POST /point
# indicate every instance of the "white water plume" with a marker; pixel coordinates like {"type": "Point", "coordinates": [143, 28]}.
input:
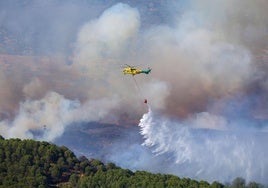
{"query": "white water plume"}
{"type": "Point", "coordinates": [205, 153]}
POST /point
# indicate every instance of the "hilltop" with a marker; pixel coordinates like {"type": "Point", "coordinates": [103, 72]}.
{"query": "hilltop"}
{"type": "Point", "coordinates": [29, 163]}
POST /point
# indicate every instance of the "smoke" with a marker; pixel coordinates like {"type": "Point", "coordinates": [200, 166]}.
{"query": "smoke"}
{"type": "Point", "coordinates": [52, 114]}
{"type": "Point", "coordinates": [47, 94]}
{"type": "Point", "coordinates": [107, 36]}
{"type": "Point", "coordinates": [210, 124]}
{"type": "Point", "coordinates": [204, 153]}
{"type": "Point", "coordinates": [207, 89]}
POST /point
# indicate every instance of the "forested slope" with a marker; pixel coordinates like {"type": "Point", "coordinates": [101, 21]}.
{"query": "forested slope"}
{"type": "Point", "coordinates": [29, 163]}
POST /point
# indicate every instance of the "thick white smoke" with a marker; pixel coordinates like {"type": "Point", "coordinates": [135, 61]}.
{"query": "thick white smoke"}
{"type": "Point", "coordinates": [60, 95]}
{"type": "Point", "coordinates": [52, 114]}
{"type": "Point", "coordinates": [201, 53]}
{"type": "Point", "coordinates": [107, 36]}
{"type": "Point", "coordinates": [202, 153]}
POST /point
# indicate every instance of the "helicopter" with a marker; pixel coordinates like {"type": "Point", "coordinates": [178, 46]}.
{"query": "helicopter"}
{"type": "Point", "coordinates": [133, 71]}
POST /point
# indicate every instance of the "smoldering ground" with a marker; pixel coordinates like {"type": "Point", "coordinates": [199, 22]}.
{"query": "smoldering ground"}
{"type": "Point", "coordinates": [209, 72]}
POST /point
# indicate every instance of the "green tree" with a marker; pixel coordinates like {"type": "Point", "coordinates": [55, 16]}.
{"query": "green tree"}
{"type": "Point", "coordinates": [203, 184]}
{"type": "Point", "coordinates": [55, 173]}
{"type": "Point", "coordinates": [216, 184]}
{"type": "Point", "coordinates": [254, 185]}
{"type": "Point", "coordinates": [111, 166]}
{"type": "Point", "coordinates": [28, 163]}
{"type": "Point", "coordinates": [74, 180]}
{"type": "Point", "coordinates": [238, 183]}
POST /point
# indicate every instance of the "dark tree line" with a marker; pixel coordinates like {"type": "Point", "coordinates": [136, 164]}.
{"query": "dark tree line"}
{"type": "Point", "coordinates": [29, 163]}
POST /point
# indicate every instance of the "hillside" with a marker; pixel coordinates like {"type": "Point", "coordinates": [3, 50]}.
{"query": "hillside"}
{"type": "Point", "coordinates": [98, 140]}
{"type": "Point", "coordinates": [29, 163]}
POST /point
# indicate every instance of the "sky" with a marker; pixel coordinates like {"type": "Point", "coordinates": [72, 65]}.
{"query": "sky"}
{"type": "Point", "coordinates": [61, 63]}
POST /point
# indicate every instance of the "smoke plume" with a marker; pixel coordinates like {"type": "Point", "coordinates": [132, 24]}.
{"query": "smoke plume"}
{"type": "Point", "coordinates": [207, 89]}
{"type": "Point", "coordinates": [204, 153]}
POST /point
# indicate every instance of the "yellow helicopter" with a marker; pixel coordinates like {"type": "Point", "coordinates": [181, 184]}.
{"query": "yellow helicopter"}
{"type": "Point", "coordinates": [133, 71]}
